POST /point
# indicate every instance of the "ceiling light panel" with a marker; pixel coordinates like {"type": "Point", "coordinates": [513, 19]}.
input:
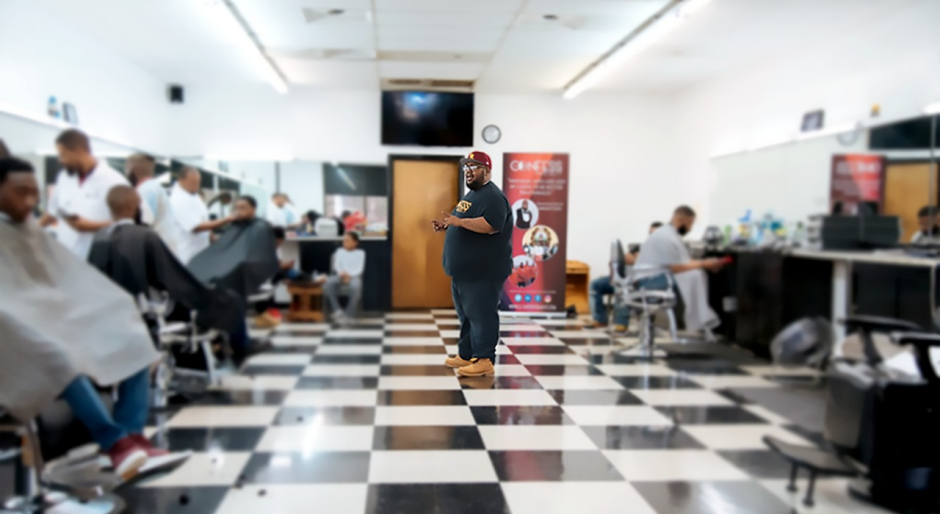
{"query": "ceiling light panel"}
{"type": "Point", "coordinates": [471, 7]}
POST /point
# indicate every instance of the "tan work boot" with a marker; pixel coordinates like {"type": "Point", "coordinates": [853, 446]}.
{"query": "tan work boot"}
{"type": "Point", "coordinates": [265, 320]}
{"type": "Point", "coordinates": [456, 362]}
{"type": "Point", "coordinates": [477, 368]}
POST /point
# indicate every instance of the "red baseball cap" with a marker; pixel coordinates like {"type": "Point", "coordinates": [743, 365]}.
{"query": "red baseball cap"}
{"type": "Point", "coordinates": [479, 158]}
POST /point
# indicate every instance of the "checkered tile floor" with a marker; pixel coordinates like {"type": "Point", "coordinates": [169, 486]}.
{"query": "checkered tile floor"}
{"type": "Point", "coordinates": [366, 419]}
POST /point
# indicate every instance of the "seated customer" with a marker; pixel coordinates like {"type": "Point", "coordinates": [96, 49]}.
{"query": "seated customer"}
{"type": "Point", "coordinates": [601, 287]}
{"type": "Point", "coordinates": [63, 324]}
{"type": "Point", "coordinates": [268, 315]}
{"type": "Point", "coordinates": [349, 262]}
{"type": "Point", "coordinates": [665, 249]}
{"type": "Point", "coordinates": [928, 226]}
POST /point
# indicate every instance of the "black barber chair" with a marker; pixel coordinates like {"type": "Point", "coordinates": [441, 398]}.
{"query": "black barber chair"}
{"type": "Point", "coordinates": [883, 425]}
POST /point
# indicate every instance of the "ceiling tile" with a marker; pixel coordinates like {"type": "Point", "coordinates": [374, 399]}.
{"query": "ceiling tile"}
{"type": "Point", "coordinates": [412, 70]}
{"type": "Point", "coordinates": [474, 7]}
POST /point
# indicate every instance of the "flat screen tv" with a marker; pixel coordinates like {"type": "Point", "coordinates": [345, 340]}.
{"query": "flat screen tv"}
{"type": "Point", "coordinates": [427, 118]}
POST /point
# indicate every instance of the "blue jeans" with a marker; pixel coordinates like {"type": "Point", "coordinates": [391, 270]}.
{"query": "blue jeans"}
{"type": "Point", "coordinates": [601, 286]}
{"type": "Point", "coordinates": [477, 305]}
{"type": "Point", "coordinates": [130, 411]}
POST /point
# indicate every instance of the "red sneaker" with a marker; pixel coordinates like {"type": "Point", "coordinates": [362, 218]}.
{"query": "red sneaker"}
{"type": "Point", "coordinates": [274, 312]}
{"type": "Point", "coordinates": [148, 447]}
{"type": "Point", "coordinates": [127, 457]}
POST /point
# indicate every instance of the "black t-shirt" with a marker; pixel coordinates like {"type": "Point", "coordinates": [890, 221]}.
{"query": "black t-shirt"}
{"type": "Point", "coordinates": [469, 255]}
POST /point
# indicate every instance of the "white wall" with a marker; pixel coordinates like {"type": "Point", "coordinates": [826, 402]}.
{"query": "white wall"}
{"type": "Point", "coordinates": [303, 183]}
{"type": "Point", "coordinates": [40, 56]}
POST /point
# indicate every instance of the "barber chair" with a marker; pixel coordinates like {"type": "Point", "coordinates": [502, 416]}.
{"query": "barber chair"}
{"type": "Point", "coordinates": [883, 424]}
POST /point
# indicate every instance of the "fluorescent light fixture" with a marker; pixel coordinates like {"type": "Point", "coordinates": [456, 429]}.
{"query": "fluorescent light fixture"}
{"type": "Point", "coordinates": [652, 30]}
{"type": "Point", "coordinates": [933, 108]}
{"type": "Point", "coordinates": [227, 18]}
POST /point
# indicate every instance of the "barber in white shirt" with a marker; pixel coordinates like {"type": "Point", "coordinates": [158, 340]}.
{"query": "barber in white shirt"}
{"type": "Point", "coordinates": [81, 189]}
{"type": "Point", "coordinates": [193, 226]}
{"type": "Point", "coordinates": [280, 213]}
{"type": "Point", "coordinates": [154, 200]}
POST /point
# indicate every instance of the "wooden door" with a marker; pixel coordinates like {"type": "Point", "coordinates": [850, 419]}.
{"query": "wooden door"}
{"type": "Point", "coordinates": [420, 191]}
{"type": "Point", "coordinates": [908, 187]}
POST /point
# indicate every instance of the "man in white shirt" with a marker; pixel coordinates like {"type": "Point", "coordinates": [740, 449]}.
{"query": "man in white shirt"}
{"type": "Point", "coordinates": [349, 262]}
{"type": "Point", "coordinates": [155, 202]}
{"type": "Point", "coordinates": [81, 189]}
{"type": "Point", "coordinates": [280, 213]}
{"type": "Point", "coordinates": [193, 226]}
{"type": "Point", "coordinates": [664, 249]}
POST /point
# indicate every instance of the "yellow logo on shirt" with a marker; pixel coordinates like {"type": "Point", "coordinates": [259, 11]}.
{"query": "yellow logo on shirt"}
{"type": "Point", "coordinates": [463, 206]}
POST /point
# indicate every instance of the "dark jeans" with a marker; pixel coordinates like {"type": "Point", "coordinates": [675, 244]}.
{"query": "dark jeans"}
{"type": "Point", "coordinates": [477, 304]}
{"type": "Point", "coordinates": [130, 411]}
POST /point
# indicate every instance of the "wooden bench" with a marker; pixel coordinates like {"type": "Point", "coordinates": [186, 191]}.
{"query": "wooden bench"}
{"type": "Point", "coordinates": [306, 302]}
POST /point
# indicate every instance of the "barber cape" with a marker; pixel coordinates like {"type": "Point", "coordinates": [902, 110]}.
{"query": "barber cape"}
{"type": "Point", "coordinates": [241, 260]}
{"type": "Point", "coordinates": [60, 318]}
{"type": "Point", "coordinates": [136, 259]}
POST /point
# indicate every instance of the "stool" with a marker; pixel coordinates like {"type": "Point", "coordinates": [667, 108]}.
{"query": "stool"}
{"type": "Point", "coordinates": [306, 302]}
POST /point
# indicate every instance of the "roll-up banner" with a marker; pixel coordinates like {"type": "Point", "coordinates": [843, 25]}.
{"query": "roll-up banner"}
{"type": "Point", "coordinates": [536, 185]}
{"type": "Point", "coordinates": [856, 178]}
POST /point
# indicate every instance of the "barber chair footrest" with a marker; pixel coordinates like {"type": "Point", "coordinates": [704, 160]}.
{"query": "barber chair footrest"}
{"type": "Point", "coordinates": [814, 460]}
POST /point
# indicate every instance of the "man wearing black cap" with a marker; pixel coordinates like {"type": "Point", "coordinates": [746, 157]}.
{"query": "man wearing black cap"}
{"type": "Point", "coordinates": [478, 258]}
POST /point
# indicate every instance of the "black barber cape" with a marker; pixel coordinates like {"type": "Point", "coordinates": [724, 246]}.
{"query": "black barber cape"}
{"type": "Point", "coordinates": [135, 258]}
{"type": "Point", "coordinates": [242, 259]}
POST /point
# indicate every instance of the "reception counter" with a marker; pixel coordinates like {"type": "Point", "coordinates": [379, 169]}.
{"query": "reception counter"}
{"type": "Point", "coordinates": [313, 254]}
{"type": "Point", "coordinates": [764, 290]}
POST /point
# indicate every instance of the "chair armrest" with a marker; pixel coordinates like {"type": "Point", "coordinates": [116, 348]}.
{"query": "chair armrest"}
{"type": "Point", "coordinates": [922, 343]}
{"type": "Point", "coordinates": [878, 324]}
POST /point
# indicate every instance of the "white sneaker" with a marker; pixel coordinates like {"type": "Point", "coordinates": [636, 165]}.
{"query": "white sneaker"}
{"type": "Point", "coordinates": [339, 316]}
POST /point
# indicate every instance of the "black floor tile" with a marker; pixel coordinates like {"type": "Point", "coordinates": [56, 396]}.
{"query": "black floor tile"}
{"type": "Point", "coordinates": [435, 349]}
{"type": "Point", "coordinates": [657, 382]}
{"type": "Point", "coordinates": [300, 333]}
{"type": "Point", "coordinates": [427, 438]}
{"type": "Point", "coordinates": [338, 341]}
{"type": "Point", "coordinates": [417, 371]}
{"type": "Point", "coordinates": [346, 359]}
{"type": "Point", "coordinates": [705, 414]}
{"type": "Point", "coordinates": [499, 383]}
{"type": "Point", "coordinates": [240, 397]}
{"type": "Point", "coordinates": [604, 397]}
{"type": "Point", "coordinates": [259, 369]}
{"type": "Point", "coordinates": [635, 437]}
{"type": "Point", "coordinates": [325, 416]}
{"type": "Point", "coordinates": [758, 463]}
{"type": "Point", "coordinates": [436, 498]}
{"type": "Point", "coordinates": [389, 321]}
{"type": "Point", "coordinates": [544, 466]}
{"type": "Point", "coordinates": [241, 439]}
{"type": "Point", "coordinates": [540, 349]}
{"type": "Point", "coordinates": [558, 370]}
{"type": "Point", "coordinates": [338, 383]}
{"type": "Point", "coordinates": [507, 359]}
{"type": "Point", "coordinates": [421, 398]}
{"type": "Point", "coordinates": [521, 415]}
{"type": "Point", "coordinates": [302, 468]}
{"type": "Point", "coordinates": [523, 333]}
{"type": "Point", "coordinates": [704, 366]}
{"type": "Point", "coordinates": [734, 396]}
{"type": "Point", "coordinates": [816, 438]}
{"type": "Point", "coordinates": [710, 498]}
{"type": "Point", "coordinates": [435, 332]}
{"type": "Point", "coordinates": [589, 341]}
{"type": "Point", "coordinates": [172, 500]}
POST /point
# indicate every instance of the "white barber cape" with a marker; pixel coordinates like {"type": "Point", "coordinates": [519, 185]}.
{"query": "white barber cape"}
{"type": "Point", "coordinates": [60, 318]}
{"type": "Point", "coordinates": [156, 212]}
{"type": "Point", "coordinates": [86, 198]}
{"type": "Point", "coordinates": [664, 247]}
{"type": "Point", "coordinates": [189, 211]}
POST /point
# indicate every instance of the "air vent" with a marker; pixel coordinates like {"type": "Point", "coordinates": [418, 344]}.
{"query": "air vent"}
{"type": "Point", "coordinates": [317, 15]}
{"type": "Point", "coordinates": [461, 86]}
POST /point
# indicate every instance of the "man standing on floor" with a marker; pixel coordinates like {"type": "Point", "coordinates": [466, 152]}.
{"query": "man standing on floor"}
{"type": "Point", "coordinates": [192, 216]}
{"type": "Point", "coordinates": [478, 258]}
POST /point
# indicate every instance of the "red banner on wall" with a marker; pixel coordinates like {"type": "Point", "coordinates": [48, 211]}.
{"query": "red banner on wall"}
{"type": "Point", "coordinates": [536, 185]}
{"type": "Point", "coordinates": [855, 179]}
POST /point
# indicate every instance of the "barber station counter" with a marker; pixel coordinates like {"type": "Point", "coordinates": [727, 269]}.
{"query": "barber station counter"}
{"type": "Point", "coordinates": [765, 290]}
{"type": "Point", "coordinates": [314, 254]}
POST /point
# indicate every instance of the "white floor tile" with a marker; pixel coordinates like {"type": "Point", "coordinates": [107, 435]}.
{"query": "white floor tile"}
{"type": "Point", "coordinates": [402, 467]}
{"type": "Point", "coordinates": [598, 349]}
{"type": "Point", "coordinates": [451, 349]}
{"type": "Point", "coordinates": [413, 359]}
{"type": "Point", "coordinates": [410, 316]}
{"type": "Point", "coordinates": [500, 397]}
{"type": "Point", "coordinates": [355, 334]}
{"type": "Point", "coordinates": [450, 333]}
{"type": "Point", "coordinates": [728, 381]}
{"type": "Point", "coordinates": [427, 415]}
{"type": "Point", "coordinates": [568, 497]}
{"type": "Point", "coordinates": [578, 382]}
{"type": "Point", "coordinates": [326, 398]}
{"type": "Point", "coordinates": [259, 333]}
{"type": "Point", "coordinates": [302, 327]}
{"type": "Point", "coordinates": [511, 370]}
{"type": "Point", "coordinates": [228, 416]}
{"type": "Point", "coordinates": [280, 341]}
{"type": "Point", "coordinates": [279, 359]}
{"type": "Point", "coordinates": [413, 341]}
{"type": "Point", "coordinates": [256, 383]}
{"type": "Point", "coordinates": [316, 437]}
{"type": "Point", "coordinates": [682, 397]}
{"type": "Point", "coordinates": [533, 341]}
{"type": "Point", "coordinates": [535, 437]}
{"type": "Point", "coordinates": [296, 499]}
{"type": "Point", "coordinates": [399, 327]}
{"type": "Point", "coordinates": [635, 370]}
{"type": "Point", "coordinates": [765, 371]}
{"type": "Point", "coordinates": [831, 497]}
{"type": "Point", "coordinates": [741, 437]}
{"type": "Point", "coordinates": [550, 359]}
{"type": "Point", "coordinates": [767, 414]}
{"type": "Point", "coordinates": [502, 349]}
{"type": "Point", "coordinates": [580, 334]}
{"type": "Point", "coordinates": [447, 322]}
{"type": "Point", "coordinates": [418, 383]}
{"type": "Point", "coordinates": [531, 327]}
{"type": "Point", "coordinates": [673, 465]}
{"type": "Point", "coordinates": [350, 349]}
{"type": "Point", "coordinates": [559, 322]}
{"type": "Point", "coordinates": [203, 469]}
{"type": "Point", "coordinates": [343, 370]}
{"type": "Point", "coordinates": [615, 415]}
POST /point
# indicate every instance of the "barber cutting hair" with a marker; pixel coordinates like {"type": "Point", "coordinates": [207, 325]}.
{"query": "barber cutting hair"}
{"type": "Point", "coordinates": [192, 216]}
{"type": "Point", "coordinates": [478, 257]}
